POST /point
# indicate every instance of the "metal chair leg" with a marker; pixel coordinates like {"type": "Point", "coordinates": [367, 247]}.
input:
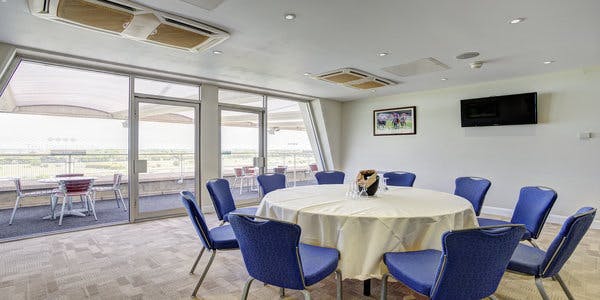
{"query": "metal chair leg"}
{"type": "Point", "coordinates": [53, 200]}
{"type": "Point", "coordinates": [564, 287]}
{"type": "Point", "coordinates": [540, 286]}
{"type": "Point", "coordinates": [197, 260]}
{"type": "Point", "coordinates": [338, 284]}
{"type": "Point", "coordinates": [212, 257]}
{"type": "Point", "coordinates": [12, 216]}
{"type": "Point", "coordinates": [533, 243]}
{"type": "Point", "coordinates": [247, 288]}
{"type": "Point", "coordinates": [116, 198]}
{"type": "Point", "coordinates": [122, 201]}
{"type": "Point", "coordinates": [62, 211]}
{"type": "Point", "coordinates": [92, 205]}
{"type": "Point", "coordinates": [281, 292]}
{"type": "Point", "coordinates": [492, 297]}
{"type": "Point", "coordinates": [384, 286]}
{"type": "Point", "coordinates": [306, 294]}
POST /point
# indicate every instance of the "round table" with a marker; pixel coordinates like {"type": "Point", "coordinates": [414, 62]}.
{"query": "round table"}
{"type": "Point", "coordinates": [363, 229]}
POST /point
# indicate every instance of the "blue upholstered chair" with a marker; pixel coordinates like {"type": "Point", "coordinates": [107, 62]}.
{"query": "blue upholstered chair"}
{"type": "Point", "coordinates": [330, 177]}
{"type": "Point", "coordinates": [270, 182]}
{"type": "Point", "coordinates": [532, 210]}
{"type": "Point", "coordinates": [472, 189]}
{"type": "Point", "coordinates": [546, 264]}
{"type": "Point", "coordinates": [399, 178]}
{"type": "Point", "coordinates": [470, 265]}
{"type": "Point", "coordinates": [218, 238]}
{"type": "Point", "coordinates": [222, 199]}
{"type": "Point", "coordinates": [273, 254]}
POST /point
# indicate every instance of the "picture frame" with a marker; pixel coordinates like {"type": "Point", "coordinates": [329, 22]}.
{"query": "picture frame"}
{"type": "Point", "coordinates": [395, 121]}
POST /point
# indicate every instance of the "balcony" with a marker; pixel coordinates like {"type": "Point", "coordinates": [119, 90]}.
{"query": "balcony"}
{"type": "Point", "coordinates": [158, 190]}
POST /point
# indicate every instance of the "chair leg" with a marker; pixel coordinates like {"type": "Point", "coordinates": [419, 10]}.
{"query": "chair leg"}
{"type": "Point", "coordinates": [12, 216]}
{"type": "Point", "coordinates": [384, 286]}
{"type": "Point", "coordinates": [564, 287]}
{"type": "Point", "coordinates": [281, 292]}
{"type": "Point", "coordinates": [122, 200]}
{"type": "Point", "coordinates": [53, 200]}
{"type": "Point", "coordinates": [62, 210]}
{"type": "Point", "coordinates": [492, 297]}
{"type": "Point", "coordinates": [306, 294]}
{"type": "Point", "coordinates": [247, 288]}
{"type": "Point", "coordinates": [92, 206]}
{"type": "Point", "coordinates": [533, 243]}
{"type": "Point", "coordinates": [212, 257]}
{"type": "Point", "coordinates": [540, 286]}
{"type": "Point", "coordinates": [197, 260]}
{"type": "Point", "coordinates": [338, 284]}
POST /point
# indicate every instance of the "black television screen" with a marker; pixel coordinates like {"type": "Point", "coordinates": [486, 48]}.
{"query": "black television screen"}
{"type": "Point", "coordinates": [499, 110]}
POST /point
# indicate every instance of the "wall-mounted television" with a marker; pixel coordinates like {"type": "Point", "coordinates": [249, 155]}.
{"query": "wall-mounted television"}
{"type": "Point", "coordinates": [499, 110]}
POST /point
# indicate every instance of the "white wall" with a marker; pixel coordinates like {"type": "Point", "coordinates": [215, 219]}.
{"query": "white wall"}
{"type": "Point", "coordinates": [549, 153]}
{"type": "Point", "coordinates": [328, 122]}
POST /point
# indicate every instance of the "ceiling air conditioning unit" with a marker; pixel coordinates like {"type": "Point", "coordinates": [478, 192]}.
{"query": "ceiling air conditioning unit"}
{"type": "Point", "coordinates": [131, 20]}
{"type": "Point", "coordinates": [355, 79]}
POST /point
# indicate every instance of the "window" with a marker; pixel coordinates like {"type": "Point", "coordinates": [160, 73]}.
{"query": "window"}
{"type": "Point", "coordinates": [291, 145]}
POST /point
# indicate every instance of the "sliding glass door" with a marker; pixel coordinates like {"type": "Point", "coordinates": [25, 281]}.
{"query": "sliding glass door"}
{"type": "Point", "coordinates": [165, 158]}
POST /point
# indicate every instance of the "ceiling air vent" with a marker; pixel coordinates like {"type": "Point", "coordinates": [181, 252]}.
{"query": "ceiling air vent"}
{"type": "Point", "coordinates": [131, 20]}
{"type": "Point", "coordinates": [355, 79]}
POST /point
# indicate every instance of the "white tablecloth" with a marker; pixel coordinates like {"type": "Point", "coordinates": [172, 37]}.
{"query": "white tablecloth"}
{"type": "Point", "coordinates": [401, 219]}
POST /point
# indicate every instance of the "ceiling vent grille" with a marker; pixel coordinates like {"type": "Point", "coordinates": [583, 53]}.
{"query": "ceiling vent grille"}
{"type": "Point", "coordinates": [355, 79]}
{"type": "Point", "coordinates": [131, 20]}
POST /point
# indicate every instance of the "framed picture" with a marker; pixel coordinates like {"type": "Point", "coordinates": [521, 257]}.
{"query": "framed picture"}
{"type": "Point", "coordinates": [395, 121]}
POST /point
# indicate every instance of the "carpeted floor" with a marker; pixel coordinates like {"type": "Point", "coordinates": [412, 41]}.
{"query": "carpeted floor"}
{"type": "Point", "coordinates": [151, 260]}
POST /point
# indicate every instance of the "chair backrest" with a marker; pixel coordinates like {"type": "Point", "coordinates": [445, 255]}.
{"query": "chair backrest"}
{"type": "Point", "coordinates": [238, 172]}
{"type": "Point", "coordinates": [474, 260]}
{"type": "Point", "coordinates": [249, 170]}
{"type": "Point", "coordinates": [117, 180]}
{"type": "Point", "coordinates": [330, 177]}
{"type": "Point", "coordinates": [220, 193]}
{"type": "Point", "coordinates": [81, 186]}
{"type": "Point", "coordinates": [399, 178]}
{"type": "Point", "coordinates": [313, 167]}
{"type": "Point", "coordinates": [533, 207]}
{"type": "Point", "coordinates": [280, 169]}
{"type": "Point", "coordinates": [195, 214]}
{"type": "Point", "coordinates": [69, 175]}
{"type": "Point", "coordinates": [563, 245]}
{"type": "Point", "coordinates": [18, 187]}
{"type": "Point", "coordinates": [270, 250]}
{"type": "Point", "coordinates": [473, 189]}
{"type": "Point", "coordinates": [271, 182]}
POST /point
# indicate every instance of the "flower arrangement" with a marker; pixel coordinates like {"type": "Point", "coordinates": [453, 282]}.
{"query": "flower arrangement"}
{"type": "Point", "coordinates": [368, 180]}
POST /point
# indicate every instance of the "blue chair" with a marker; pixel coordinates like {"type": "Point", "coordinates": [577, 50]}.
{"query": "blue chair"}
{"type": "Point", "coordinates": [218, 238]}
{"type": "Point", "coordinates": [473, 189]}
{"type": "Point", "coordinates": [399, 178]}
{"type": "Point", "coordinates": [270, 182]}
{"type": "Point", "coordinates": [535, 262]}
{"type": "Point", "coordinates": [330, 177]}
{"type": "Point", "coordinates": [273, 254]}
{"type": "Point", "coordinates": [470, 265]}
{"type": "Point", "coordinates": [532, 210]}
{"type": "Point", "coordinates": [222, 199]}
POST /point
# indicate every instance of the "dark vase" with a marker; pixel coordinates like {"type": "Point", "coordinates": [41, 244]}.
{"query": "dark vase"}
{"type": "Point", "coordinates": [373, 188]}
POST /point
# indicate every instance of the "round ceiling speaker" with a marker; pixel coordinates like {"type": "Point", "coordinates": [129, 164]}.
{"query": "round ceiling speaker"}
{"type": "Point", "coordinates": [467, 55]}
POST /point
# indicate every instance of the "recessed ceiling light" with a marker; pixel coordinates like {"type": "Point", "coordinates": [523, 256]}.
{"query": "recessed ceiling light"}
{"type": "Point", "coordinates": [467, 55]}
{"type": "Point", "coordinates": [516, 21]}
{"type": "Point", "coordinates": [444, 79]}
{"type": "Point", "coordinates": [548, 62]}
{"type": "Point", "coordinates": [307, 74]}
{"type": "Point", "coordinates": [372, 91]}
{"type": "Point", "coordinates": [217, 52]}
{"type": "Point", "coordinates": [382, 54]}
{"type": "Point", "coordinates": [289, 16]}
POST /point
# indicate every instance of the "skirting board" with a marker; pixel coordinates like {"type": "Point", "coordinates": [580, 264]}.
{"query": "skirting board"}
{"type": "Point", "coordinates": [505, 212]}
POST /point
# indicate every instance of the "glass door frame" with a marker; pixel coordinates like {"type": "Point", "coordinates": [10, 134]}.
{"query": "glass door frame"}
{"type": "Point", "coordinates": [135, 213]}
{"type": "Point", "coordinates": [262, 137]}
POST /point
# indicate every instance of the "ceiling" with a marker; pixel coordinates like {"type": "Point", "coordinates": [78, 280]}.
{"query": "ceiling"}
{"type": "Point", "coordinates": [266, 51]}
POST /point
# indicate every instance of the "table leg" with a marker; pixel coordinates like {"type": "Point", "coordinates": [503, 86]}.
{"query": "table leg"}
{"type": "Point", "coordinates": [367, 287]}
